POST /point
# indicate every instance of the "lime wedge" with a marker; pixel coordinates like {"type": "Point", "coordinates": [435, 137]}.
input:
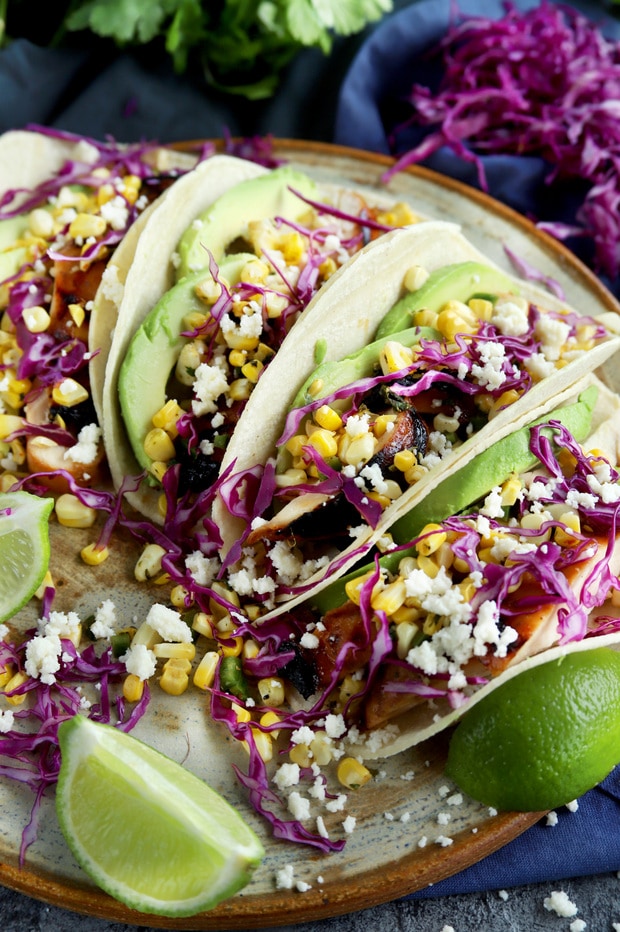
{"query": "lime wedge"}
{"type": "Point", "coordinates": [24, 548]}
{"type": "Point", "coordinates": [544, 737]}
{"type": "Point", "coordinates": [147, 831]}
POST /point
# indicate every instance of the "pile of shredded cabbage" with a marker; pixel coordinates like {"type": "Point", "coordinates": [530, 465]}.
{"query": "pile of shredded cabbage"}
{"type": "Point", "coordinates": [543, 83]}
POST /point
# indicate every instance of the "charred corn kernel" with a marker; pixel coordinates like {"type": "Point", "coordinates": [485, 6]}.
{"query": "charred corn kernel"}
{"type": "Point", "coordinates": [271, 690]}
{"type": "Point", "coordinates": [36, 318]}
{"type": "Point", "coordinates": [394, 357]}
{"type": "Point", "coordinates": [446, 423]}
{"type": "Point", "coordinates": [250, 648]}
{"type": "Point", "coordinates": [238, 358]}
{"type": "Point", "coordinates": [404, 460]}
{"type": "Point", "coordinates": [41, 222]}
{"type": "Point", "coordinates": [291, 477]}
{"type": "Point", "coordinates": [72, 513]}
{"type": "Point", "coordinates": [158, 470]}
{"type": "Point", "coordinates": [226, 593]}
{"type": "Point", "coordinates": [433, 623]}
{"type": "Point", "coordinates": [263, 352]}
{"type": "Point", "coordinates": [240, 389]}
{"type": "Point", "coordinates": [203, 624]}
{"type": "Point", "coordinates": [382, 424]}
{"type": "Point", "coordinates": [173, 650]}
{"type": "Point", "coordinates": [352, 774]}
{"type": "Point", "coordinates": [328, 418]}
{"type": "Point", "coordinates": [180, 597]}
{"type": "Point", "coordinates": [148, 563]}
{"type": "Point", "coordinates": [324, 442]}
{"type": "Point", "coordinates": [482, 308]}
{"type": "Point", "coordinates": [225, 626]}
{"type": "Point", "coordinates": [321, 749]}
{"type": "Point", "coordinates": [433, 536]}
{"type": "Point", "coordinates": [204, 674]}
{"type": "Point", "coordinates": [93, 555]}
{"type": "Point", "coordinates": [9, 424]}
{"type": "Point", "coordinates": [233, 648]}
{"type": "Point", "coordinates": [133, 688]}
{"type": "Point", "coordinates": [349, 687]}
{"type": "Point", "coordinates": [252, 370]}
{"type": "Point", "coordinates": [77, 313]}
{"type": "Point", "coordinates": [505, 399]}
{"type": "Point", "coordinates": [300, 754]}
{"type": "Point", "coordinates": [415, 277]}
{"type": "Point", "coordinates": [390, 598]}
{"type": "Point", "coordinates": [360, 450]}
{"type": "Point", "coordinates": [189, 359]}
{"type": "Point", "coordinates": [174, 678]}
{"type": "Point", "coordinates": [69, 393]}
{"type": "Point", "coordinates": [415, 473]}
{"type": "Point", "coordinates": [83, 226]}
{"type": "Point", "coordinates": [378, 497]}
{"type": "Point", "coordinates": [405, 634]}
{"type": "Point", "coordinates": [46, 583]}
{"type": "Point", "coordinates": [158, 445]}
{"type": "Point", "coordinates": [268, 720]}
{"type": "Point", "coordinates": [17, 680]}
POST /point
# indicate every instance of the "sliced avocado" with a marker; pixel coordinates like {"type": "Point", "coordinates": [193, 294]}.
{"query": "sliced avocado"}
{"type": "Point", "coordinates": [337, 373]}
{"type": "Point", "coordinates": [468, 485]}
{"type": "Point", "coordinates": [154, 351]}
{"type": "Point", "coordinates": [220, 228]}
{"type": "Point", "coordinates": [460, 281]}
{"type": "Point", "coordinates": [12, 257]}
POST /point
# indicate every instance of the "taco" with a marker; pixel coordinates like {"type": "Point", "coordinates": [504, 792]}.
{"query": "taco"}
{"type": "Point", "coordinates": [67, 205]}
{"type": "Point", "coordinates": [530, 570]}
{"type": "Point", "coordinates": [223, 270]}
{"type": "Point", "coordinates": [413, 384]}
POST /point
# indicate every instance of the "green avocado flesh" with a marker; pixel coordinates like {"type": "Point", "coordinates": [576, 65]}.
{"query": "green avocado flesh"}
{"type": "Point", "coordinates": [458, 282]}
{"type": "Point", "coordinates": [468, 485]}
{"type": "Point", "coordinates": [154, 350]}
{"type": "Point", "coordinates": [12, 257]}
{"type": "Point", "coordinates": [220, 228]}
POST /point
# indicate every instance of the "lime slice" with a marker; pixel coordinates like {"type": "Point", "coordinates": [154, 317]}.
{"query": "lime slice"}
{"type": "Point", "coordinates": [147, 831]}
{"type": "Point", "coordinates": [24, 548]}
{"type": "Point", "coordinates": [544, 737]}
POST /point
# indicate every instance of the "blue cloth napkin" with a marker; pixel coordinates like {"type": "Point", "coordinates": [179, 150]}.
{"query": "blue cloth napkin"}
{"type": "Point", "coordinates": [370, 103]}
{"type": "Point", "coordinates": [373, 100]}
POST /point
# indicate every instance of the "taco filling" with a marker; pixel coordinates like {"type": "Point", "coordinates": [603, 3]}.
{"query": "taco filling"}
{"type": "Point", "coordinates": [350, 458]}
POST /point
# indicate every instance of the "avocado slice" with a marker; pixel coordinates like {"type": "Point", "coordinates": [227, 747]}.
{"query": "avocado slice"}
{"type": "Point", "coordinates": [468, 485]}
{"type": "Point", "coordinates": [12, 257]}
{"type": "Point", "coordinates": [154, 351]}
{"type": "Point", "coordinates": [460, 281]}
{"type": "Point", "coordinates": [220, 228]}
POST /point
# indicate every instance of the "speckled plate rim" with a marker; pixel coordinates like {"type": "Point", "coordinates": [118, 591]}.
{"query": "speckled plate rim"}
{"type": "Point", "coordinates": [418, 868]}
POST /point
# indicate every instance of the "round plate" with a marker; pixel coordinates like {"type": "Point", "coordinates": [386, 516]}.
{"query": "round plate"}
{"type": "Point", "coordinates": [400, 815]}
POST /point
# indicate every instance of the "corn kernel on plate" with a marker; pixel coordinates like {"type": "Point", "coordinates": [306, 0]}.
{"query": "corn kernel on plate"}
{"type": "Point", "coordinates": [419, 828]}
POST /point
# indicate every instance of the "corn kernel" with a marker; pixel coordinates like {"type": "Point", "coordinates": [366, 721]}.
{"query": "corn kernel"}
{"type": "Point", "coordinates": [405, 634]}
{"type": "Point", "coordinates": [394, 357]}
{"type": "Point", "coordinates": [382, 424]}
{"type": "Point", "coordinates": [291, 477]}
{"type": "Point", "coordinates": [241, 713]}
{"type": "Point", "coordinates": [17, 680]}
{"type": "Point", "coordinates": [158, 445]}
{"type": "Point", "coordinates": [85, 226]}
{"type": "Point", "coordinates": [505, 399]}
{"type": "Point", "coordinates": [237, 340]}
{"type": "Point", "coordinates": [328, 418]}
{"type": "Point", "coordinates": [77, 313]}
{"type": "Point", "coordinates": [173, 650]}
{"type": "Point", "coordinates": [255, 271]}
{"type": "Point", "coordinates": [69, 393]}
{"type": "Point", "coordinates": [204, 674]}
{"type": "Point", "coordinates": [482, 308]}
{"type": "Point", "coordinates": [425, 318]}
{"type": "Point", "coordinates": [510, 491]}
{"type": "Point", "coordinates": [93, 555]}
{"type": "Point", "coordinates": [315, 388]}
{"type": "Point", "coordinates": [390, 598]}
{"type": "Point", "coordinates": [133, 688]}
{"type": "Point", "coordinates": [203, 624]}
{"type": "Point", "coordinates": [189, 359]}
{"type": "Point", "coordinates": [415, 473]}
{"type": "Point", "coordinates": [233, 648]}
{"type": "Point", "coordinates": [300, 754]}
{"type": "Point", "coordinates": [327, 267]}
{"type": "Point", "coordinates": [158, 470]}
{"type": "Point", "coordinates": [240, 389]}
{"type": "Point", "coordinates": [72, 513]}
{"type": "Point", "coordinates": [263, 742]}
{"type": "Point", "coordinates": [180, 597]}
{"type": "Point", "coordinates": [46, 583]}
{"type": "Point", "coordinates": [324, 442]}
{"type": "Point", "coordinates": [446, 423]}
{"type": "Point", "coordinates": [9, 424]}
{"type": "Point", "coordinates": [148, 564]}
{"type": "Point", "coordinates": [433, 536]}
{"type": "Point", "coordinates": [352, 774]}
{"type": "Point", "coordinates": [360, 450]}
{"type": "Point", "coordinates": [36, 318]}
{"type": "Point", "coordinates": [208, 290]}
{"type": "Point", "coordinates": [7, 481]}
{"type": "Point", "coordinates": [252, 370]}
{"type": "Point", "coordinates": [321, 749]}
{"type": "Point", "coordinates": [5, 675]}
{"type": "Point", "coordinates": [174, 678]}
{"type": "Point", "coordinates": [250, 646]}
{"type": "Point", "coordinates": [41, 222]}
{"type": "Point", "coordinates": [268, 720]}
{"type": "Point", "coordinates": [404, 460]}
{"type": "Point", "coordinates": [415, 277]}
{"type": "Point", "coordinates": [271, 691]}
{"type": "Point", "coordinates": [432, 624]}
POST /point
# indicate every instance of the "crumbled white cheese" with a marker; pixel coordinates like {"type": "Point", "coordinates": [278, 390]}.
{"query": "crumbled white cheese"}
{"type": "Point", "coordinates": [284, 877]}
{"type": "Point", "coordinates": [299, 806]}
{"type": "Point", "coordinates": [577, 925]}
{"type": "Point", "coordinates": [510, 316]}
{"type": "Point", "coordinates": [87, 446]}
{"type": "Point", "coordinates": [115, 212]}
{"type": "Point", "coordinates": [4, 630]}
{"type": "Point", "coordinates": [203, 569]}
{"type": "Point", "coordinates": [489, 373]}
{"type": "Point", "coordinates": [7, 720]}
{"type": "Point", "coordinates": [168, 624]}
{"type": "Point", "coordinates": [552, 818]}
{"type": "Point", "coordinates": [348, 824]}
{"type": "Point", "coordinates": [104, 625]}
{"type": "Point", "coordinates": [357, 425]}
{"type": "Point", "coordinates": [287, 775]}
{"type": "Point", "coordinates": [111, 286]}
{"type": "Point", "coordinates": [210, 383]}
{"type": "Point", "coordinates": [140, 661]}
{"type": "Point", "coordinates": [559, 903]}
{"type": "Point", "coordinates": [335, 726]}
{"type": "Point", "coordinates": [309, 640]}
{"type": "Point", "coordinates": [552, 333]}
{"type": "Point", "coordinates": [43, 657]}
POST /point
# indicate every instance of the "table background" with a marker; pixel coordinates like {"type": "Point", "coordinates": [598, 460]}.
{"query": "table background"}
{"type": "Point", "coordinates": [94, 90]}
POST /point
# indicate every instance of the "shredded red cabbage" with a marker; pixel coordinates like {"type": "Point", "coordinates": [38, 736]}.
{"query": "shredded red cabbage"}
{"type": "Point", "coordinates": [542, 82]}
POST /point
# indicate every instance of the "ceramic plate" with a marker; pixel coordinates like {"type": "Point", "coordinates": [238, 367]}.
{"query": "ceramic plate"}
{"type": "Point", "coordinates": [396, 847]}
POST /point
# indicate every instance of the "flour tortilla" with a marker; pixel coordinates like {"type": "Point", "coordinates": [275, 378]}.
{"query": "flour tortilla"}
{"type": "Point", "coordinates": [343, 318]}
